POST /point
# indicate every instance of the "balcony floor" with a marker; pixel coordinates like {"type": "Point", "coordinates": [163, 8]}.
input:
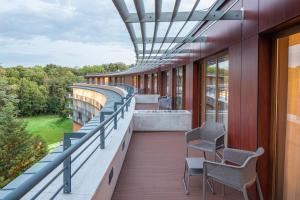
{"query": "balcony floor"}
{"type": "Point", "coordinates": [153, 169]}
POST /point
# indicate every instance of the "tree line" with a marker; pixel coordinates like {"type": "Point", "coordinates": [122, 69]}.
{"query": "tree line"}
{"type": "Point", "coordinates": [43, 90]}
{"type": "Point", "coordinates": [27, 91]}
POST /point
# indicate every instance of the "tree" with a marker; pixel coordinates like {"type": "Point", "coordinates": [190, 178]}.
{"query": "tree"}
{"type": "Point", "coordinates": [18, 149]}
{"type": "Point", "coordinates": [33, 98]}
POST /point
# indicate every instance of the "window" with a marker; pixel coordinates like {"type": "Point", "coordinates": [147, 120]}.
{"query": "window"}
{"type": "Point", "coordinates": [167, 82]}
{"type": "Point", "coordinates": [106, 81]}
{"type": "Point", "coordinates": [179, 88]}
{"type": "Point", "coordinates": [155, 83]}
{"type": "Point", "coordinates": [216, 90]}
{"type": "Point", "coordinates": [142, 83]}
{"type": "Point", "coordinates": [134, 81]}
{"type": "Point", "coordinates": [149, 85]}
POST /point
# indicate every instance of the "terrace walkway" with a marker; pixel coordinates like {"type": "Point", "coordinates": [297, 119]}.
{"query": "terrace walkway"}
{"type": "Point", "coordinates": [153, 170]}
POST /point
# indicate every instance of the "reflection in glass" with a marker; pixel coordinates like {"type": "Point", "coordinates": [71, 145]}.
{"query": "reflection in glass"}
{"type": "Point", "coordinates": [179, 88]}
{"type": "Point", "coordinates": [211, 74]}
{"type": "Point", "coordinates": [291, 182]}
{"type": "Point", "coordinates": [167, 83]}
{"type": "Point", "coordinates": [141, 82]}
{"type": "Point", "coordinates": [217, 75]}
{"type": "Point", "coordinates": [155, 83]}
{"type": "Point", "coordinates": [223, 76]}
{"type": "Point", "coordinates": [149, 84]}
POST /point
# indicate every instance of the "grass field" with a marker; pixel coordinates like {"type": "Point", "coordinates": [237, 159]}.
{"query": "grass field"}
{"type": "Point", "coordinates": [49, 127]}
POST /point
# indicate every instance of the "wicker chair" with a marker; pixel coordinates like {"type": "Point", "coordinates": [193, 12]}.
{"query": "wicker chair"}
{"type": "Point", "coordinates": [211, 136]}
{"type": "Point", "coordinates": [239, 174]}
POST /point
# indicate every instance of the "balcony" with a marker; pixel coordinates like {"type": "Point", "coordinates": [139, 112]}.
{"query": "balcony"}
{"type": "Point", "coordinates": [125, 162]}
{"type": "Point", "coordinates": [154, 165]}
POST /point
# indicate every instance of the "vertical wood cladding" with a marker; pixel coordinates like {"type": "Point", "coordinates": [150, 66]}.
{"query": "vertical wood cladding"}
{"type": "Point", "coordinates": [189, 85]}
{"type": "Point", "coordinates": [274, 12]}
{"type": "Point", "coordinates": [249, 93]}
{"type": "Point", "coordinates": [234, 107]}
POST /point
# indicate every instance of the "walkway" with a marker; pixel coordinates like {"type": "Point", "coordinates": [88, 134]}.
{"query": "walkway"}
{"type": "Point", "coordinates": [153, 170]}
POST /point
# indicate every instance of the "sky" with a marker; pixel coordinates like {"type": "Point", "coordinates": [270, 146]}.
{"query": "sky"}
{"type": "Point", "coordinates": [76, 32]}
{"type": "Point", "coordinates": [64, 32]}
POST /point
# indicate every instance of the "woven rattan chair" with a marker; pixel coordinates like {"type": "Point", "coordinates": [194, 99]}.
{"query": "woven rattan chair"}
{"type": "Point", "coordinates": [239, 174]}
{"type": "Point", "coordinates": [211, 137]}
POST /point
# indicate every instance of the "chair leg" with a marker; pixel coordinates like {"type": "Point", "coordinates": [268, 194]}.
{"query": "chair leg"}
{"type": "Point", "coordinates": [188, 183]}
{"type": "Point", "coordinates": [245, 193]}
{"type": "Point", "coordinates": [204, 154]}
{"type": "Point", "coordinates": [203, 187]}
{"type": "Point", "coordinates": [261, 197]}
{"type": "Point", "coordinates": [184, 179]}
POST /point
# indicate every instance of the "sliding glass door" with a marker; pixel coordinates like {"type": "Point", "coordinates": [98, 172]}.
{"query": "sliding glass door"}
{"type": "Point", "coordinates": [216, 89]}
{"type": "Point", "coordinates": [286, 118]}
{"type": "Point", "coordinates": [179, 88]}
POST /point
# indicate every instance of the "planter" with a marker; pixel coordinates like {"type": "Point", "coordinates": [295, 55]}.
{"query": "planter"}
{"type": "Point", "coordinates": [162, 120]}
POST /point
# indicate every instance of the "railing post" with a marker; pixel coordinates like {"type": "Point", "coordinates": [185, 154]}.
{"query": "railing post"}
{"type": "Point", "coordinates": [102, 129]}
{"type": "Point", "coordinates": [127, 97]}
{"type": "Point", "coordinates": [116, 116]}
{"type": "Point", "coordinates": [102, 132]}
{"type": "Point", "coordinates": [67, 166]}
{"type": "Point", "coordinates": [122, 113]}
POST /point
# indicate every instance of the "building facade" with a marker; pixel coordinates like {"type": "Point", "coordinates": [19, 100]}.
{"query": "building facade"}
{"type": "Point", "coordinates": [246, 76]}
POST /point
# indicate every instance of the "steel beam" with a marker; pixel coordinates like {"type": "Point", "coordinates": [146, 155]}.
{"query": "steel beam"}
{"type": "Point", "coordinates": [163, 50]}
{"type": "Point", "coordinates": [158, 57]}
{"type": "Point", "coordinates": [168, 40]}
{"type": "Point", "coordinates": [183, 16]}
{"type": "Point", "coordinates": [158, 5]}
{"type": "Point", "coordinates": [124, 13]}
{"type": "Point", "coordinates": [139, 5]}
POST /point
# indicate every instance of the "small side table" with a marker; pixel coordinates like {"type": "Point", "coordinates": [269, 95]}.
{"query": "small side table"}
{"type": "Point", "coordinates": [193, 167]}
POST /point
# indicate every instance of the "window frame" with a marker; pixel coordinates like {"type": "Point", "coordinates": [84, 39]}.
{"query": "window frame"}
{"type": "Point", "coordinates": [215, 57]}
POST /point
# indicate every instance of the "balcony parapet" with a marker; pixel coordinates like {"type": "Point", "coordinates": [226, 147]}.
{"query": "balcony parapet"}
{"type": "Point", "coordinates": [95, 153]}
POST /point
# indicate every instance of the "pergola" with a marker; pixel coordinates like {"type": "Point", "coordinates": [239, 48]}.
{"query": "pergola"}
{"type": "Point", "coordinates": [153, 50]}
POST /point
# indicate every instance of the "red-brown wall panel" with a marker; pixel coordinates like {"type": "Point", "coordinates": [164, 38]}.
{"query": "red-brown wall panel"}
{"type": "Point", "coordinates": [250, 23]}
{"type": "Point", "coordinates": [249, 93]}
{"type": "Point", "coordinates": [274, 12]}
{"type": "Point", "coordinates": [189, 87]}
{"type": "Point", "coordinates": [234, 103]}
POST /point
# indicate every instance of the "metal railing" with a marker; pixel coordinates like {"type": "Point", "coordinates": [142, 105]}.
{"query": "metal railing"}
{"type": "Point", "coordinates": [100, 133]}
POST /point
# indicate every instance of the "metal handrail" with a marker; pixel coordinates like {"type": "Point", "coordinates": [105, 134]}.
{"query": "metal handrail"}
{"type": "Point", "coordinates": [27, 185]}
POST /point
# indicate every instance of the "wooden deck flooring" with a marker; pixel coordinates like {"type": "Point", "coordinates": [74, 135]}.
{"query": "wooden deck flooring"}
{"type": "Point", "coordinates": [153, 170]}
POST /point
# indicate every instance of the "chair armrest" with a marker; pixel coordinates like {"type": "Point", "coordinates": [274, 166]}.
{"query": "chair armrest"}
{"type": "Point", "coordinates": [236, 156]}
{"type": "Point", "coordinates": [193, 134]}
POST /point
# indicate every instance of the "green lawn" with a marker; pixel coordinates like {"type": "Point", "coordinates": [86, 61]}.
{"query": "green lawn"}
{"type": "Point", "coordinates": [49, 127]}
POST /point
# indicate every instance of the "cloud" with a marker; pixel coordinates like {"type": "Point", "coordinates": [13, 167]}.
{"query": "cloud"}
{"type": "Point", "coordinates": [71, 32]}
{"type": "Point", "coordinates": [68, 32]}
{"type": "Point", "coordinates": [42, 50]}
{"type": "Point", "coordinates": [88, 21]}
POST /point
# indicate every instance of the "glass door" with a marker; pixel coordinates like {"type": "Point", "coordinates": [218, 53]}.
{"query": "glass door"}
{"type": "Point", "coordinates": [216, 89]}
{"type": "Point", "coordinates": [210, 90]}
{"type": "Point", "coordinates": [287, 118]}
{"type": "Point", "coordinates": [179, 88]}
{"type": "Point", "coordinates": [291, 184]}
{"type": "Point", "coordinates": [155, 83]}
